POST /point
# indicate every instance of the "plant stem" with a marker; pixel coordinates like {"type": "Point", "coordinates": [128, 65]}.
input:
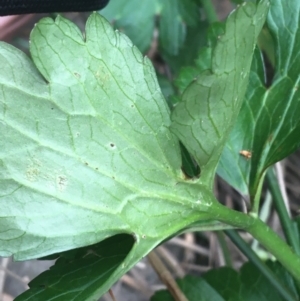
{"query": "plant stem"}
{"type": "Point", "coordinates": [286, 222]}
{"type": "Point", "coordinates": [224, 247]}
{"type": "Point", "coordinates": [264, 234]}
{"type": "Point", "coordinates": [274, 244]}
{"type": "Point", "coordinates": [256, 200]}
{"type": "Point", "coordinates": [210, 11]}
{"type": "Point", "coordinates": [263, 268]}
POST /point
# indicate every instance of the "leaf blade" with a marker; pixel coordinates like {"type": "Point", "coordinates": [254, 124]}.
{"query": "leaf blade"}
{"type": "Point", "coordinates": [202, 125]}
{"type": "Point", "coordinates": [94, 159]}
{"type": "Point", "coordinates": [269, 119]}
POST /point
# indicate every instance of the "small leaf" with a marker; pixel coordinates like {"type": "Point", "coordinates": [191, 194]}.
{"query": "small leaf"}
{"type": "Point", "coordinates": [269, 124]}
{"type": "Point", "coordinates": [195, 289]}
{"type": "Point", "coordinates": [137, 19]}
{"type": "Point", "coordinates": [187, 53]}
{"type": "Point", "coordinates": [174, 27]}
{"type": "Point", "coordinates": [257, 287]}
{"type": "Point", "coordinates": [65, 280]}
{"type": "Point", "coordinates": [209, 106]}
{"type": "Point", "coordinates": [227, 284]}
{"type": "Point", "coordinates": [190, 73]}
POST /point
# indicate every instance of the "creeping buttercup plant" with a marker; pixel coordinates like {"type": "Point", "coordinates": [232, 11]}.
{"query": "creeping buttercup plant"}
{"type": "Point", "coordinates": [91, 168]}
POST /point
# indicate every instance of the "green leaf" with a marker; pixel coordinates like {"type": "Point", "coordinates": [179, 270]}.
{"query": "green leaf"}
{"type": "Point", "coordinates": [257, 287]}
{"type": "Point", "coordinates": [227, 284]}
{"type": "Point", "coordinates": [190, 73]}
{"type": "Point", "coordinates": [166, 88]}
{"type": "Point", "coordinates": [195, 39]}
{"type": "Point", "coordinates": [249, 284]}
{"type": "Point", "coordinates": [176, 25]}
{"type": "Point", "coordinates": [203, 61]}
{"type": "Point", "coordinates": [209, 106]}
{"type": "Point", "coordinates": [85, 148]}
{"type": "Point", "coordinates": [65, 281]}
{"type": "Point", "coordinates": [269, 123]}
{"type": "Point", "coordinates": [195, 289]}
{"type": "Point", "coordinates": [137, 19]}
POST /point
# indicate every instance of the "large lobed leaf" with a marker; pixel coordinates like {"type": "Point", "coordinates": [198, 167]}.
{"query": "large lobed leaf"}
{"type": "Point", "coordinates": [269, 123]}
{"type": "Point", "coordinates": [85, 148]}
{"type": "Point", "coordinates": [209, 106]}
{"type": "Point", "coordinates": [86, 151]}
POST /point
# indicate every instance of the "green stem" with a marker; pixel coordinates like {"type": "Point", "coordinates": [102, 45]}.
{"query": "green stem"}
{"type": "Point", "coordinates": [224, 247]}
{"type": "Point", "coordinates": [256, 200]}
{"type": "Point", "coordinates": [264, 234]}
{"type": "Point", "coordinates": [210, 11]}
{"type": "Point", "coordinates": [286, 222]}
{"type": "Point", "coordinates": [263, 268]}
